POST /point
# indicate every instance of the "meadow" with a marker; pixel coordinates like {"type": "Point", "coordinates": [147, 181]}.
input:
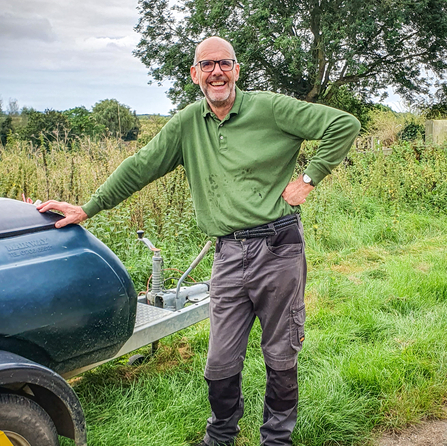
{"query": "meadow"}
{"type": "Point", "coordinates": [375, 355]}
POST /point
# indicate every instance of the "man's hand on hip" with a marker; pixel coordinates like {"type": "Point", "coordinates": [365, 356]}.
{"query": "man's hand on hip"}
{"type": "Point", "coordinates": [296, 192]}
{"type": "Point", "coordinates": [73, 214]}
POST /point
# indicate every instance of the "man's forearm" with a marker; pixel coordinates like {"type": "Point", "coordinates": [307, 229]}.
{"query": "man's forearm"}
{"type": "Point", "coordinates": [335, 144]}
{"type": "Point", "coordinates": [121, 184]}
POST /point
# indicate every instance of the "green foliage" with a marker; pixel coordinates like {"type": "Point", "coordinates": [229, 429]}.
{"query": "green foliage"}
{"type": "Point", "coordinates": [437, 108]}
{"type": "Point", "coordinates": [304, 49]}
{"type": "Point", "coordinates": [82, 123]}
{"type": "Point", "coordinates": [437, 111]}
{"type": "Point", "coordinates": [26, 111]}
{"type": "Point", "coordinates": [117, 118]}
{"type": "Point", "coordinates": [150, 126]}
{"type": "Point", "coordinates": [412, 131]}
{"type": "Point", "coordinates": [6, 126]}
{"type": "Point", "coordinates": [344, 98]}
{"type": "Point", "coordinates": [69, 126]}
{"type": "Point", "coordinates": [43, 128]}
{"type": "Point", "coordinates": [388, 127]}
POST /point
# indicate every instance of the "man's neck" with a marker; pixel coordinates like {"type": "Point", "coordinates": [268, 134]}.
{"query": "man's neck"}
{"type": "Point", "coordinates": [221, 112]}
{"type": "Point", "coordinates": [222, 109]}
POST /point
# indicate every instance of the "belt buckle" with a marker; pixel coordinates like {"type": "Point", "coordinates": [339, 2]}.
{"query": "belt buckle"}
{"type": "Point", "coordinates": [238, 234]}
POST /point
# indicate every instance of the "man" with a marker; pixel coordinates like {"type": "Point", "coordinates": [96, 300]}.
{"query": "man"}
{"type": "Point", "coordinates": [239, 151]}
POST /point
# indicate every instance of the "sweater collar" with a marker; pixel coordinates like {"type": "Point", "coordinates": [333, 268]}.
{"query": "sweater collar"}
{"type": "Point", "coordinates": [206, 110]}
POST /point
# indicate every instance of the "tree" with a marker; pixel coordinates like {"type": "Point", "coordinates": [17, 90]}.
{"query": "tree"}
{"type": "Point", "coordinates": [26, 111]}
{"type": "Point", "coordinates": [83, 123]}
{"type": "Point", "coordinates": [436, 108]}
{"type": "Point", "coordinates": [48, 126]}
{"type": "Point", "coordinates": [304, 48]}
{"type": "Point", "coordinates": [13, 107]}
{"type": "Point", "coordinates": [116, 117]}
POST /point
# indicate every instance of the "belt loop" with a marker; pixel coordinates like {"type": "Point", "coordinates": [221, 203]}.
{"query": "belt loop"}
{"type": "Point", "coordinates": [272, 226]}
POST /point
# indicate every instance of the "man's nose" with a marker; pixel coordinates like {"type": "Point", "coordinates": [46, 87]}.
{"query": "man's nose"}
{"type": "Point", "coordinates": [217, 69]}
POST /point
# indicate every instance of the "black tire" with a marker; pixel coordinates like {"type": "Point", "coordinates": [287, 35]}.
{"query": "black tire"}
{"type": "Point", "coordinates": [25, 423]}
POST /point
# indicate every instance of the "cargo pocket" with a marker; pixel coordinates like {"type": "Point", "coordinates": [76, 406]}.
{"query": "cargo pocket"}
{"type": "Point", "coordinates": [297, 318]}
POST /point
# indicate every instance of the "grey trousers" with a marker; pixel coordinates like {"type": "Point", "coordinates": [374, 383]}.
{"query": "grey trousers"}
{"type": "Point", "coordinates": [264, 278]}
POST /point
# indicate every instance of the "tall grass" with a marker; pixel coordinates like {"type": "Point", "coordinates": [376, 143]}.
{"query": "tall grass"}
{"type": "Point", "coordinates": [375, 351]}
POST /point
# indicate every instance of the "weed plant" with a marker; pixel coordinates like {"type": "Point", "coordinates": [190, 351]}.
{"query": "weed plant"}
{"type": "Point", "coordinates": [375, 353]}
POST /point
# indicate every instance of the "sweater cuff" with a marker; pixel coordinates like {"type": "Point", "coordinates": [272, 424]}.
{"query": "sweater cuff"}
{"type": "Point", "coordinates": [91, 208]}
{"type": "Point", "coordinates": [315, 174]}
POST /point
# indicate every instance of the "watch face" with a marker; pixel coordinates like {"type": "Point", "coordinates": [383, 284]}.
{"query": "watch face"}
{"type": "Point", "coordinates": [307, 179]}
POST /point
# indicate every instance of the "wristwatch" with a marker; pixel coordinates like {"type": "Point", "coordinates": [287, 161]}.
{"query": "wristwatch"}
{"type": "Point", "coordinates": [307, 179]}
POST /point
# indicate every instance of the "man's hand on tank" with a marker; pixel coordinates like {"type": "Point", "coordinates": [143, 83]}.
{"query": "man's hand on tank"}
{"type": "Point", "coordinates": [73, 214]}
{"type": "Point", "coordinates": [296, 192]}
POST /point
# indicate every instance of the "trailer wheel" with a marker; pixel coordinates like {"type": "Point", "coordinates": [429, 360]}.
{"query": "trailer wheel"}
{"type": "Point", "coordinates": [137, 360]}
{"type": "Point", "coordinates": [25, 423]}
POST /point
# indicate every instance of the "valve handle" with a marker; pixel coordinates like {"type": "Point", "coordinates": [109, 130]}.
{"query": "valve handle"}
{"type": "Point", "coordinates": [146, 241]}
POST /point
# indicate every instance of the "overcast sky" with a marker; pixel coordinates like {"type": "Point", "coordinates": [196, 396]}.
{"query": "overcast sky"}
{"type": "Point", "coordinates": [61, 54]}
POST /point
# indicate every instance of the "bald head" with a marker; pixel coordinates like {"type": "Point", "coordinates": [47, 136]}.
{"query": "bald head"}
{"type": "Point", "coordinates": [211, 43]}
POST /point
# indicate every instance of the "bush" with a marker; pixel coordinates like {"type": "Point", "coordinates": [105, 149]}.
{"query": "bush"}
{"type": "Point", "coordinates": [412, 131]}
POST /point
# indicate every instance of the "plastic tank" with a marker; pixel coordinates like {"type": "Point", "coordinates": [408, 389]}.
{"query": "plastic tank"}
{"type": "Point", "coordinates": [66, 300]}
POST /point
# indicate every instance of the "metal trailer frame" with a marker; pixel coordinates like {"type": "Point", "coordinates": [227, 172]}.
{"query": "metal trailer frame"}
{"type": "Point", "coordinates": [152, 324]}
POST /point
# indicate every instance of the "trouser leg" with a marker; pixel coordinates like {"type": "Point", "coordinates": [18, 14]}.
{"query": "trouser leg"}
{"type": "Point", "coordinates": [266, 278]}
{"type": "Point", "coordinates": [227, 408]}
{"type": "Point", "coordinates": [280, 407]}
{"type": "Point", "coordinates": [231, 318]}
{"type": "Point", "coordinates": [277, 294]}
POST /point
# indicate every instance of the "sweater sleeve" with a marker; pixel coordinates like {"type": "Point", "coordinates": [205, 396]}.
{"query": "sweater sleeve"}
{"type": "Point", "coordinates": [336, 129]}
{"type": "Point", "coordinates": [161, 155]}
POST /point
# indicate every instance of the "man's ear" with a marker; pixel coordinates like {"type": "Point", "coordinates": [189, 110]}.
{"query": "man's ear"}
{"type": "Point", "coordinates": [237, 67]}
{"type": "Point", "coordinates": [194, 76]}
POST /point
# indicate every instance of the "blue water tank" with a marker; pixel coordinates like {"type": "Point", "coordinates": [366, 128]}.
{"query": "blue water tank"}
{"type": "Point", "coordinates": [66, 300]}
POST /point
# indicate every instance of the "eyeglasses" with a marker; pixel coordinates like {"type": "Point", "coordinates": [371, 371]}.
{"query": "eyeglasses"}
{"type": "Point", "coordinates": [207, 66]}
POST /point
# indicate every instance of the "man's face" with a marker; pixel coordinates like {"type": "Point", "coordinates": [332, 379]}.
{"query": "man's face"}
{"type": "Point", "coordinates": [218, 86]}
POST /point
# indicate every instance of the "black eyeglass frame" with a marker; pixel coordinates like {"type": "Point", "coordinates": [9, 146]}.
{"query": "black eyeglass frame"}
{"type": "Point", "coordinates": [214, 64]}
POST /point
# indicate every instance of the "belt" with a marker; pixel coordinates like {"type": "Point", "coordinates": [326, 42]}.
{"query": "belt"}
{"type": "Point", "coordinates": [264, 230]}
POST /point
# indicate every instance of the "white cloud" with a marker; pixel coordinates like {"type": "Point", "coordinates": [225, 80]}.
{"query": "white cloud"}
{"type": "Point", "coordinates": [107, 43]}
{"type": "Point", "coordinates": [61, 54]}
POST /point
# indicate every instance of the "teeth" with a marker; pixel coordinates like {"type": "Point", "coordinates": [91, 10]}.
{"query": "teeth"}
{"type": "Point", "coordinates": [217, 83]}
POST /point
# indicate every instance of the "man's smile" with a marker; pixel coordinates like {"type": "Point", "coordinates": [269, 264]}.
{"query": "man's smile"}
{"type": "Point", "coordinates": [217, 82]}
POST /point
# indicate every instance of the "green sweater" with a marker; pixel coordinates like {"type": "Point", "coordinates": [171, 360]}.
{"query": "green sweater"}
{"type": "Point", "coordinates": [237, 168]}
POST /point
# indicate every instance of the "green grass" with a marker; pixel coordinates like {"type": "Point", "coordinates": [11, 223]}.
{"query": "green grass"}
{"type": "Point", "coordinates": [374, 358]}
{"type": "Point", "coordinates": [375, 351]}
